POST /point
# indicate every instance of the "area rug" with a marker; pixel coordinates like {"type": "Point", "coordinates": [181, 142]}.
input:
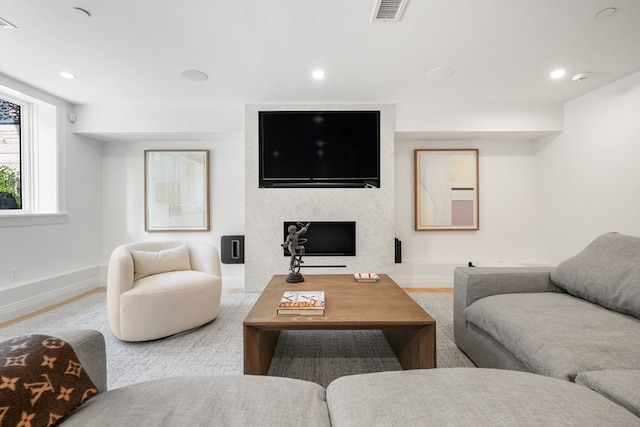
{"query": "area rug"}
{"type": "Point", "coordinates": [216, 348]}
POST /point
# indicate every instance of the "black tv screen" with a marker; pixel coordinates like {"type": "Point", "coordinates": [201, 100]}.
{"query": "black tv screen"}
{"type": "Point", "coordinates": [329, 238]}
{"type": "Point", "coordinates": [319, 149]}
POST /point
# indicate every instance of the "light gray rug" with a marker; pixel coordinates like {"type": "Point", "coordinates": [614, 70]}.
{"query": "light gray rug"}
{"type": "Point", "coordinates": [216, 348]}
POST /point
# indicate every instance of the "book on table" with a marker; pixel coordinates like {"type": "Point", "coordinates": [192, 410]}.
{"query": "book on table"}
{"type": "Point", "coordinates": [309, 303]}
{"type": "Point", "coordinates": [366, 277]}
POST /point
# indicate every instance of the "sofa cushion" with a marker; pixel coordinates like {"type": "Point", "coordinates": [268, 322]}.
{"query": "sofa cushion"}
{"type": "Point", "coordinates": [147, 263]}
{"type": "Point", "coordinates": [558, 335]}
{"type": "Point", "coordinates": [41, 381]}
{"type": "Point", "coordinates": [149, 309]}
{"type": "Point", "coordinates": [468, 397]}
{"type": "Point", "coordinates": [238, 400]}
{"type": "Point", "coordinates": [606, 272]}
{"type": "Point", "coordinates": [620, 385]}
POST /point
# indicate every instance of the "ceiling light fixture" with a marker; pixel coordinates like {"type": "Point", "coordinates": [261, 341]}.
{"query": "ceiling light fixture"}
{"type": "Point", "coordinates": [318, 74]}
{"type": "Point", "coordinates": [558, 74]}
{"type": "Point", "coordinates": [83, 13]}
{"type": "Point", "coordinates": [67, 75]}
{"type": "Point", "coordinates": [605, 13]}
{"type": "Point", "coordinates": [580, 77]}
{"type": "Point", "coordinates": [194, 75]}
{"type": "Point", "coordinates": [440, 73]}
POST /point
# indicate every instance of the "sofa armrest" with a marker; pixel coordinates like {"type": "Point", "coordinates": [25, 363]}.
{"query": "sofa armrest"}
{"type": "Point", "coordinates": [90, 348]}
{"type": "Point", "coordinates": [204, 257]}
{"type": "Point", "coordinates": [121, 271]}
{"type": "Point", "coordinates": [472, 283]}
{"type": "Point", "coordinates": [119, 281]}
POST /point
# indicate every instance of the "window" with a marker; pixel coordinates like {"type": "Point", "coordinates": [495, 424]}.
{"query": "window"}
{"type": "Point", "coordinates": [28, 154]}
{"type": "Point", "coordinates": [10, 185]}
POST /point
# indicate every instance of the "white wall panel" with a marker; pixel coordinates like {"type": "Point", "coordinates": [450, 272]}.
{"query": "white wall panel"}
{"type": "Point", "coordinates": [123, 197]}
{"type": "Point", "coordinates": [267, 208]}
{"type": "Point", "coordinates": [507, 213]}
{"type": "Point", "coordinates": [588, 177]}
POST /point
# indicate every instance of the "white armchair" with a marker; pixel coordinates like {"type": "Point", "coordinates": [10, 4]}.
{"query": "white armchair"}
{"type": "Point", "coordinates": [160, 288]}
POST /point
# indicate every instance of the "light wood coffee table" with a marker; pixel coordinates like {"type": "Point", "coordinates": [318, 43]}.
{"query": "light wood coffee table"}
{"type": "Point", "coordinates": [349, 305]}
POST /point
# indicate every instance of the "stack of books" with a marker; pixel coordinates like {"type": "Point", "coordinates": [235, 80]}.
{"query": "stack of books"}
{"type": "Point", "coordinates": [306, 303]}
{"type": "Point", "coordinates": [366, 277]}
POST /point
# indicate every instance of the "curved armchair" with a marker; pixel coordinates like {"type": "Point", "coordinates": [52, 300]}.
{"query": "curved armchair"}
{"type": "Point", "coordinates": [160, 288]}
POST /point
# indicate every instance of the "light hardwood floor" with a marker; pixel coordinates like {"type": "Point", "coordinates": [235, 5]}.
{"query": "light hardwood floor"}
{"type": "Point", "coordinates": [228, 290]}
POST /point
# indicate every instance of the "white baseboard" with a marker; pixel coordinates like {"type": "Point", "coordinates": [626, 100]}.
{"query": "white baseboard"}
{"type": "Point", "coordinates": [232, 282]}
{"type": "Point", "coordinates": [421, 274]}
{"type": "Point", "coordinates": [25, 298]}
{"type": "Point", "coordinates": [439, 274]}
{"type": "Point", "coordinates": [423, 281]}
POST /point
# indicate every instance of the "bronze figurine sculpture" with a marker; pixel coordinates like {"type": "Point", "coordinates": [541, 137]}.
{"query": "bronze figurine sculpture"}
{"type": "Point", "coordinates": [293, 244]}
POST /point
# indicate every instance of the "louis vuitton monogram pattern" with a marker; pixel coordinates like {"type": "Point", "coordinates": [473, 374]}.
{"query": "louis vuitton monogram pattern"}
{"type": "Point", "coordinates": [41, 381]}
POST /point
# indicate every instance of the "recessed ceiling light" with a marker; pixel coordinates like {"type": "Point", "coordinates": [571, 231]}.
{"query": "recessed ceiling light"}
{"type": "Point", "coordinates": [194, 75]}
{"type": "Point", "coordinates": [558, 74]}
{"type": "Point", "coordinates": [67, 75]}
{"type": "Point", "coordinates": [318, 74]}
{"type": "Point", "coordinates": [605, 13]}
{"type": "Point", "coordinates": [440, 73]}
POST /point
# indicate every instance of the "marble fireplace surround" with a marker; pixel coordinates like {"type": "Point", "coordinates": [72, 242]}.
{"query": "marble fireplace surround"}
{"type": "Point", "coordinates": [266, 208]}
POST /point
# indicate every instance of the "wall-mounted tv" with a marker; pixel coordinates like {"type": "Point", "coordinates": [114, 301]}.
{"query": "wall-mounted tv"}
{"type": "Point", "coordinates": [319, 149]}
{"type": "Point", "coordinates": [326, 238]}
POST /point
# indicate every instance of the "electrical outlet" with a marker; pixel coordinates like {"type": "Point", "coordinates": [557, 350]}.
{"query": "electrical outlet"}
{"type": "Point", "coordinates": [13, 274]}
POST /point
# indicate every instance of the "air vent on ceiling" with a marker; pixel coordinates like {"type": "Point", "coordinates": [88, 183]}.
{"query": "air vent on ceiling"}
{"type": "Point", "coordinates": [6, 24]}
{"type": "Point", "coordinates": [388, 10]}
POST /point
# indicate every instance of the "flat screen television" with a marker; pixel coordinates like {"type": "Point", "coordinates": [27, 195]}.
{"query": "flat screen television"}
{"type": "Point", "coordinates": [328, 238]}
{"type": "Point", "coordinates": [319, 149]}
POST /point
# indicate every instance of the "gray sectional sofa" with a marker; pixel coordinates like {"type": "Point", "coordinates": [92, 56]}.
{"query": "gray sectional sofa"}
{"type": "Point", "coordinates": [578, 322]}
{"type": "Point", "coordinates": [427, 397]}
{"type": "Point", "coordinates": [573, 330]}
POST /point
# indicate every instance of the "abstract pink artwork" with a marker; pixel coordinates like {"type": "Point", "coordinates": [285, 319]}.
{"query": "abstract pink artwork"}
{"type": "Point", "coordinates": [446, 189]}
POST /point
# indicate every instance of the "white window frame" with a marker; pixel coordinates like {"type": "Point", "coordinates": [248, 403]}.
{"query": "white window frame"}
{"type": "Point", "coordinates": [39, 162]}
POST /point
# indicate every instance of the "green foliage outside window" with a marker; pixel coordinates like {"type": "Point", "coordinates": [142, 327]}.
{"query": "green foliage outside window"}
{"type": "Point", "coordinates": [10, 183]}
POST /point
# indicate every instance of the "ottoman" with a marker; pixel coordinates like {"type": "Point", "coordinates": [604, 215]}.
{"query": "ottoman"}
{"type": "Point", "coordinates": [468, 397]}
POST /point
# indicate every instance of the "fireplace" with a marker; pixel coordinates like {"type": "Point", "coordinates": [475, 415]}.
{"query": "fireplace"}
{"type": "Point", "coordinates": [325, 238]}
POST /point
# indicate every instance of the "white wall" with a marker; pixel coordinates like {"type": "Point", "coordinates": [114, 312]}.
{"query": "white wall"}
{"type": "Point", "coordinates": [507, 214]}
{"type": "Point", "coordinates": [540, 201]}
{"type": "Point", "coordinates": [56, 261]}
{"type": "Point", "coordinates": [267, 208]}
{"type": "Point", "coordinates": [588, 177]}
{"type": "Point", "coordinates": [478, 119]}
{"type": "Point", "coordinates": [123, 196]}
{"type": "Point", "coordinates": [108, 122]}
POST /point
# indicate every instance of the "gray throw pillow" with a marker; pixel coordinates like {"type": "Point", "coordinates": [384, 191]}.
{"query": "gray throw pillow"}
{"type": "Point", "coordinates": [606, 272]}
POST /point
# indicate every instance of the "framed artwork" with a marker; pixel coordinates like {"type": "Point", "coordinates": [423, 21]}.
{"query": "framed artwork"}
{"type": "Point", "coordinates": [176, 190]}
{"type": "Point", "coordinates": [446, 189]}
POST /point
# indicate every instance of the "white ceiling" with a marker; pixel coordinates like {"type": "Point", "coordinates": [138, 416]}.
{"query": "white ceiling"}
{"type": "Point", "coordinates": [263, 51]}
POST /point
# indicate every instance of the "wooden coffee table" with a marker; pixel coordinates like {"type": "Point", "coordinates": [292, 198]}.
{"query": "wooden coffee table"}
{"type": "Point", "coordinates": [349, 305]}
